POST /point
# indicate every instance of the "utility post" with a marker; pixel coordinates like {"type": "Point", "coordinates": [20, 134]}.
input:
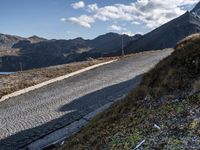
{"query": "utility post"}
{"type": "Point", "coordinates": [21, 67]}
{"type": "Point", "coordinates": [122, 45]}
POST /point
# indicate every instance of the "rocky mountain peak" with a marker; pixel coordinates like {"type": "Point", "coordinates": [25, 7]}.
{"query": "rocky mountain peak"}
{"type": "Point", "coordinates": [36, 39]}
{"type": "Point", "coordinates": [196, 10]}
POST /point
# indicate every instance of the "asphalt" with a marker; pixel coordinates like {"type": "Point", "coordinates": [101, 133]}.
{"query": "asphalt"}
{"type": "Point", "coordinates": [28, 117]}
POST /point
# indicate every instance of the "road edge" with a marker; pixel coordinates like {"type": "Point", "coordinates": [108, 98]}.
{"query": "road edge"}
{"type": "Point", "coordinates": [40, 85]}
{"type": "Point", "coordinates": [60, 135]}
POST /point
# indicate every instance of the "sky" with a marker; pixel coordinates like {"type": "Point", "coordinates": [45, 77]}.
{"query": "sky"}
{"type": "Point", "coordinates": [68, 19]}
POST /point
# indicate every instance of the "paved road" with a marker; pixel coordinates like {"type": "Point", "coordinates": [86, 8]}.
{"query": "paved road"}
{"type": "Point", "coordinates": [27, 117]}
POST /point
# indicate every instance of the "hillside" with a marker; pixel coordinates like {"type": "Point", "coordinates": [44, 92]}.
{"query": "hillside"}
{"type": "Point", "coordinates": [36, 52]}
{"type": "Point", "coordinates": [167, 35]}
{"type": "Point", "coordinates": [7, 41]}
{"type": "Point", "coordinates": [105, 42]}
{"type": "Point", "coordinates": [21, 80]}
{"type": "Point", "coordinates": [163, 111]}
{"type": "Point", "coordinates": [196, 10]}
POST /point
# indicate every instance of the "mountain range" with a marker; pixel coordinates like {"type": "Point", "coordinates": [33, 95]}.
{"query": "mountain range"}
{"type": "Point", "coordinates": [7, 41]}
{"type": "Point", "coordinates": [167, 35]}
{"type": "Point", "coordinates": [35, 52]}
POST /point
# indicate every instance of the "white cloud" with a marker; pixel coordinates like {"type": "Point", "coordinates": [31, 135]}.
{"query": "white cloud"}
{"type": "Point", "coordinates": [157, 12]}
{"type": "Point", "coordinates": [83, 20]}
{"type": "Point", "coordinates": [92, 7]}
{"type": "Point", "coordinates": [112, 12]}
{"type": "Point", "coordinates": [135, 23]}
{"type": "Point", "coordinates": [63, 19]}
{"type": "Point", "coordinates": [78, 5]}
{"type": "Point", "coordinates": [129, 33]}
{"type": "Point", "coordinates": [116, 28]}
{"type": "Point", "coordinates": [151, 13]}
{"type": "Point", "coordinates": [187, 2]}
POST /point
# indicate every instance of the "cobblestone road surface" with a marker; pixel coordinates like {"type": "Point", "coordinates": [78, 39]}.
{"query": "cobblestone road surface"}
{"type": "Point", "coordinates": [28, 117]}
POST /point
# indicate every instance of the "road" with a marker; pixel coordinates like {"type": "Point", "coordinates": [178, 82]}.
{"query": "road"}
{"type": "Point", "coordinates": [28, 117]}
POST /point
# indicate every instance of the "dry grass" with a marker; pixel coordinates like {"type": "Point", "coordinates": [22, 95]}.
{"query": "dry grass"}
{"type": "Point", "coordinates": [9, 52]}
{"type": "Point", "coordinates": [134, 116]}
{"type": "Point", "coordinates": [20, 80]}
{"type": "Point", "coordinates": [177, 71]}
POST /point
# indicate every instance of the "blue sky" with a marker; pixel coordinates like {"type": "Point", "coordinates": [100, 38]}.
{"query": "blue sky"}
{"type": "Point", "coordinates": [64, 19]}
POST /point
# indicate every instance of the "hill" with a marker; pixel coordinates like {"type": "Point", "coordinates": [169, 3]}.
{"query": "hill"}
{"type": "Point", "coordinates": [110, 42]}
{"type": "Point", "coordinates": [167, 35]}
{"type": "Point", "coordinates": [163, 111]}
{"type": "Point", "coordinates": [7, 41]}
{"type": "Point", "coordinates": [36, 52]}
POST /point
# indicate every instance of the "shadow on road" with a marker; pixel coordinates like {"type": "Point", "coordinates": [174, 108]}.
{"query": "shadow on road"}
{"type": "Point", "coordinates": [92, 101]}
{"type": "Point", "coordinates": [82, 106]}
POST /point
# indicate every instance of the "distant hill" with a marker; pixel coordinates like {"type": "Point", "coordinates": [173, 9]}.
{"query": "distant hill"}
{"type": "Point", "coordinates": [167, 35]}
{"type": "Point", "coordinates": [35, 52]}
{"type": "Point", "coordinates": [7, 41]}
{"type": "Point", "coordinates": [36, 39]}
{"type": "Point", "coordinates": [110, 42]}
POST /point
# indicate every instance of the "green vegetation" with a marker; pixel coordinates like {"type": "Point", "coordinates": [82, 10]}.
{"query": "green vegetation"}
{"type": "Point", "coordinates": [168, 97]}
{"type": "Point", "coordinates": [125, 141]}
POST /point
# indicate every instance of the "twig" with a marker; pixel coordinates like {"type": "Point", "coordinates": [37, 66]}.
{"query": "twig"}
{"type": "Point", "coordinates": [139, 145]}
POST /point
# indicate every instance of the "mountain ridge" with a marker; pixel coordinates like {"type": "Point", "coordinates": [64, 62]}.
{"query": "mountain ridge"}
{"type": "Point", "coordinates": [196, 10]}
{"type": "Point", "coordinates": [167, 35]}
{"type": "Point", "coordinates": [36, 52]}
{"type": "Point", "coordinates": [7, 41]}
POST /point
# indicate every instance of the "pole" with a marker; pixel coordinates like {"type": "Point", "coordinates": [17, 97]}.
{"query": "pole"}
{"type": "Point", "coordinates": [122, 46]}
{"type": "Point", "coordinates": [20, 66]}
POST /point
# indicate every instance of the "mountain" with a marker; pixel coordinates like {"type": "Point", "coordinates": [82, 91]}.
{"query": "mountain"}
{"type": "Point", "coordinates": [36, 39]}
{"type": "Point", "coordinates": [7, 41]}
{"type": "Point", "coordinates": [167, 35]}
{"type": "Point", "coordinates": [110, 42]}
{"type": "Point", "coordinates": [35, 52]}
{"type": "Point", "coordinates": [196, 10]}
{"type": "Point", "coordinates": [103, 44]}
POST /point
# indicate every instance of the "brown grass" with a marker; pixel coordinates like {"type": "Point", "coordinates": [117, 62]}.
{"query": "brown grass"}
{"type": "Point", "coordinates": [171, 77]}
{"type": "Point", "coordinates": [21, 80]}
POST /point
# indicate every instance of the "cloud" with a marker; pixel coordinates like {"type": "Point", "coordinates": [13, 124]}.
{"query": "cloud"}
{"type": "Point", "coordinates": [157, 12]}
{"type": "Point", "coordinates": [151, 13]}
{"type": "Point", "coordinates": [83, 20]}
{"type": "Point", "coordinates": [112, 12]}
{"type": "Point", "coordinates": [116, 28]}
{"type": "Point", "coordinates": [78, 5]}
{"type": "Point", "coordinates": [129, 33]}
{"type": "Point", "coordinates": [92, 7]}
{"type": "Point", "coordinates": [135, 23]}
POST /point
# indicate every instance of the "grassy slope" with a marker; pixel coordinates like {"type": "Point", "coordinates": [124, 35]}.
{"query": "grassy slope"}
{"type": "Point", "coordinates": [20, 80]}
{"type": "Point", "coordinates": [163, 98]}
{"type": "Point", "coordinates": [24, 79]}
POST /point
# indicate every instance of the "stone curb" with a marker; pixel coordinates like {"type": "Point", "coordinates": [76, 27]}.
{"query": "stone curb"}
{"type": "Point", "coordinates": [37, 86]}
{"type": "Point", "coordinates": [63, 133]}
